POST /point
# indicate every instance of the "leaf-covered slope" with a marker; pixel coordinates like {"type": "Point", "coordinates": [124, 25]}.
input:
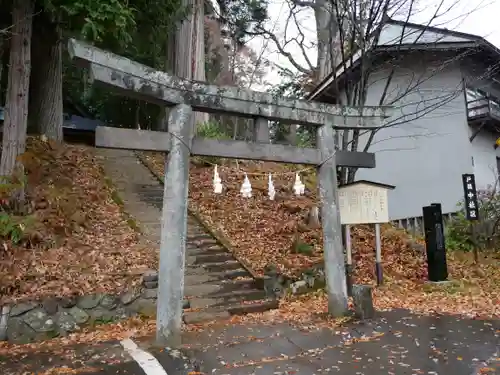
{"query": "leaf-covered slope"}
{"type": "Point", "coordinates": [262, 233]}
{"type": "Point", "coordinates": [75, 238]}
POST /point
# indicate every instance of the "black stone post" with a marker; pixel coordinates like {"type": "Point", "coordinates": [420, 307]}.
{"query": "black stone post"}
{"type": "Point", "coordinates": [435, 243]}
{"type": "Point", "coordinates": [346, 241]}
{"type": "Point", "coordinates": [348, 276]}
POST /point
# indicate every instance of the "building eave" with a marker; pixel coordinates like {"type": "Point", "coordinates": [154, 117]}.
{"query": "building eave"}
{"type": "Point", "coordinates": [371, 183]}
{"type": "Point", "coordinates": [475, 42]}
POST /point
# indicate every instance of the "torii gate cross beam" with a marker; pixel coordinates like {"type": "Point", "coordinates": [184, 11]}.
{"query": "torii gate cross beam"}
{"type": "Point", "coordinates": [183, 96]}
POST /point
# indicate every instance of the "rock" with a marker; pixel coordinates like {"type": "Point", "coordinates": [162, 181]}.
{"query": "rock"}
{"type": "Point", "coordinates": [109, 302]}
{"type": "Point", "coordinates": [80, 316]}
{"type": "Point", "coordinates": [21, 308]}
{"type": "Point", "coordinates": [150, 275]}
{"type": "Point", "coordinates": [149, 293]}
{"type": "Point", "coordinates": [67, 302]}
{"type": "Point", "coordinates": [299, 287]}
{"type": "Point", "coordinates": [363, 301]}
{"type": "Point", "coordinates": [310, 280]}
{"type": "Point", "coordinates": [145, 307]}
{"type": "Point", "coordinates": [121, 313]}
{"type": "Point", "coordinates": [50, 305]}
{"type": "Point", "coordinates": [4, 316]}
{"type": "Point", "coordinates": [99, 315]}
{"type": "Point", "coordinates": [39, 320]}
{"type": "Point", "coordinates": [89, 302]}
{"type": "Point", "coordinates": [270, 270]}
{"type": "Point", "coordinates": [269, 285]}
{"type": "Point", "coordinates": [66, 322]}
{"type": "Point", "coordinates": [129, 297]}
{"type": "Point", "coordinates": [151, 284]}
{"type": "Point", "coordinates": [186, 304]}
{"type": "Point", "coordinates": [314, 218]}
{"type": "Point", "coordinates": [18, 332]}
{"type": "Point", "coordinates": [292, 207]}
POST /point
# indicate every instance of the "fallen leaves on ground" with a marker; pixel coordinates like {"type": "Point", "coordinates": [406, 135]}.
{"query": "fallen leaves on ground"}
{"type": "Point", "coordinates": [262, 232]}
{"type": "Point", "coordinates": [65, 346]}
{"type": "Point", "coordinates": [84, 241]}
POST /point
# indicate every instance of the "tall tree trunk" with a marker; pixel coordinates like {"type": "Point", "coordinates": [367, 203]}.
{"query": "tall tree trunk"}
{"type": "Point", "coordinates": [170, 50]}
{"type": "Point", "coordinates": [327, 29]}
{"type": "Point", "coordinates": [16, 113]}
{"type": "Point", "coordinates": [185, 55]}
{"type": "Point", "coordinates": [46, 99]}
{"type": "Point", "coordinates": [2, 51]}
{"type": "Point", "coordinates": [198, 54]}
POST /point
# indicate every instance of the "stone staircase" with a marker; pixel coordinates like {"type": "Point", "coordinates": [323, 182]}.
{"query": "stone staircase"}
{"type": "Point", "coordinates": [216, 285]}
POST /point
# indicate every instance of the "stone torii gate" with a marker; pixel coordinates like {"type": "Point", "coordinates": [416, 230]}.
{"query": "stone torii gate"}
{"type": "Point", "coordinates": [132, 79]}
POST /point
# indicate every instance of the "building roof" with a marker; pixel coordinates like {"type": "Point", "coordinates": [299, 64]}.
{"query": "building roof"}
{"type": "Point", "coordinates": [397, 36]}
{"type": "Point", "coordinates": [367, 182]}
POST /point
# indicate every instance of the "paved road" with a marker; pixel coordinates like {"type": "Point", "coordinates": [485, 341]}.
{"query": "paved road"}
{"type": "Point", "coordinates": [396, 343]}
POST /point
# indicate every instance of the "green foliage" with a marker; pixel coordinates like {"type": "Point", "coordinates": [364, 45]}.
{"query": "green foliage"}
{"type": "Point", "coordinates": [13, 228]}
{"type": "Point", "coordinates": [486, 230]}
{"type": "Point", "coordinates": [242, 17]}
{"type": "Point", "coordinates": [137, 29]}
{"type": "Point", "coordinates": [291, 86]}
{"type": "Point", "coordinates": [304, 138]}
{"type": "Point", "coordinates": [211, 129]}
{"type": "Point", "coordinates": [458, 234]}
{"type": "Point", "coordinates": [304, 249]}
{"type": "Point", "coordinates": [96, 20]}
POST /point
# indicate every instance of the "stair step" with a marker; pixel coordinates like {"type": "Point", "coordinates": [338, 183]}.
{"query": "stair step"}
{"type": "Point", "coordinates": [202, 289]}
{"type": "Point", "coordinates": [195, 276]}
{"type": "Point", "coordinates": [206, 242]}
{"type": "Point", "coordinates": [194, 250]}
{"type": "Point", "coordinates": [222, 266]}
{"type": "Point", "coordinates": [212, 289]}
{"type": "Point", "coordinates": [225, 299]}
{"type": "Point", "coordinates": [196, 317]}
{"type": "Point", "coordinates": [229, 274]}
{"type": "Point", "coordinates": [200, 236]}
{"type": "Point", "coordinates": [253, 307]}
{"type": "Point", "coordinates": [215, 257]}
{"type": "Point", "coordinates": [215, 313]}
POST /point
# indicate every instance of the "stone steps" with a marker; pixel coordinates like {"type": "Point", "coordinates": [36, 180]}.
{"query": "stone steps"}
{"type": "Point", "coordinates": [216, 284]}
{"type": "Point", "coordinates": [214, 281]}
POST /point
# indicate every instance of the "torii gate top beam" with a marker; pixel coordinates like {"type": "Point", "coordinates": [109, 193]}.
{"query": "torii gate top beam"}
{"type": "Point", "coordinates": [145, 83]}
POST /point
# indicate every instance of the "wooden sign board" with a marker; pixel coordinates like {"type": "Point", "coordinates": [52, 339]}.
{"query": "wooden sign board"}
{"type": "Point", "coordinates": [364, 202]}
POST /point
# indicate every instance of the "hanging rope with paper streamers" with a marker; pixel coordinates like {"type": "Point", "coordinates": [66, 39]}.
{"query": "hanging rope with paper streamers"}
{"type": "Point", "coordinates": [246, 188]}
{"type": "Point", "coordinates": [270, 188]}
{"type": "Point", "coordinates": [298, 186]}
{"type": "Point", "coordinates": [217, 182]}
{"type": "Point", "coordinates": [241, 170]}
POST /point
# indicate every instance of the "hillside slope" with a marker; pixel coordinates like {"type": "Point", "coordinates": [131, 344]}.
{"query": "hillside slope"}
{"type": "Point", "coordinates": [74, 238]}
{"type": "Point", "coordinates": [262, 233]}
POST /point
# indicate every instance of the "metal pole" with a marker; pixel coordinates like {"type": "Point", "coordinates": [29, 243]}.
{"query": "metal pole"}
{"type": "Point", "coordinates": [174, 228]}
{"type": "Point", "coordinates": [348, 249]}
{"type": "Point", "coordinates": [378, 256]}
{"type": "Point", "coordinates": [332, 231]}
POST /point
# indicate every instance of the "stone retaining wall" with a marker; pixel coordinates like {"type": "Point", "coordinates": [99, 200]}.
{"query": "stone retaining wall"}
{"type": "Point", "coordinates": [35, 321]}
{"type": "Point", "coordinates": [280, 285]}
